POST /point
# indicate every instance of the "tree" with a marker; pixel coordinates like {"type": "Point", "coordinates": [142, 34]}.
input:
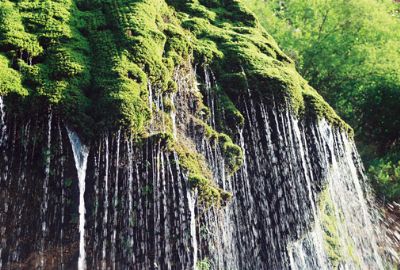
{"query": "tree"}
{"type": "Point", "coordinates": [349, 51]}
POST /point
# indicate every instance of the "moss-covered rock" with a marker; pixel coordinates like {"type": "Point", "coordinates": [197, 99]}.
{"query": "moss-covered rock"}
{"type": "Point", "coordinates": [10, 79]}
{"type": "Point", "coordinates": [93, 61]}
{"type": "Point", "coordinates": [232, 153]}
{"type": "Point", "coordinates": [339, 248]}
{"type": "Point", "coordinates": [107, 51]}
{"type": "Point", "coordinates": [200, 175]}
{"type": "Point", "coordinates": [243, 55]}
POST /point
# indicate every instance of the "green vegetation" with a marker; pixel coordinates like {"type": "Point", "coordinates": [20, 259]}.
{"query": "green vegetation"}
{"type": "Point", "coordinates": [94, 58]}
{"type": "Point", "coordinates": [230, 39]}
{"type": "Point", "coordinates": [200, 175]}
{"type": "Point", "coordinates": [233, 153]}
{"type": "Point", "coordinates": [203, 264]}
{"type": "Point", "coordinates": [199, 172]}
{"type": "Point", "coordinates": [338, 249]}
{"type": "Point", "coordinates": [10, 80]}
{"type": "Point", "coordinates": [48, 54]}
{"type": "Point", "coordinates": [385, 176]}
{"type": "Point", "coordinates": [349, 51]}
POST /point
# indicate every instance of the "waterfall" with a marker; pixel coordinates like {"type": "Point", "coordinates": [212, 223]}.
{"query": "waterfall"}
{"type": "Point", "coordinates": [2, 134]}
{"type": "Point", "coordinates": [342, 201]}
{"type": "Point", "coordinates": [150, 225]}
{"type": "Point", "coordinates": [150, 88]}
{"type": "Point", "coordinates": [45, 201]}
{"type": "Point", "coordinates": [298, 202]}
{"type": "Point", "coordinates": [81, 153]}
{"type": "Point", "coordinates": [63, 199]}
{"type": "Point", "coordinates": [173, 116]}
{"type": "Point", "coordinates": [2, 121]}
{"type": "Point", "coordinates": [316, 237]}
{"type": "Point", "coordinates": [192, 203]}
{"type": "Point", "coordinates": [131, 170]}
{"type": "Point", "coordinates": [105, 217]}
{"type": "Point", "coordinates": [116, 202]}
{"type": "Point", "coordinates": [278, 217]}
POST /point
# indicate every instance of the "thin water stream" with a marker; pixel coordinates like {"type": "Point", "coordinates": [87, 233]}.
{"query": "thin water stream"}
{"type": "Point", "coordinates": [81, 153]}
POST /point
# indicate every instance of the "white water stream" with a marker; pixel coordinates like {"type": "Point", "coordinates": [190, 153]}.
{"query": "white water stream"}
{"type": "Point", "coordinates": [2, 120]}
{"type": "Point", "coordinates": [81, 153]}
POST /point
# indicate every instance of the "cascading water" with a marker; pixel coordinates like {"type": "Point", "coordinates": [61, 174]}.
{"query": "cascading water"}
{"type": "Point", "coordinates": [2, 120]}
{"type": "Point", "coordinates": [81, 153]}
{"type": "Point", "coordinates": [298, 200]}
{"type": "Point", "coordinates": [192, 204]}
{"type": "Point", "coordinates": [44, 205]}
{"type": "Point", "coordinates": [184, 171]}
{"type": "Point", "coordinates": [343, 216]}
{"type": "Point", "coordinates": [153, 220]}
{"type": "Point", "coordinates": [210, 93]}
{"type": "Point", "coordinates": [105, 218]}
{"type": "Point", "coordinates": [276, 196]}
{"type": "Point", "coordinates": [62, 200]}
{"type": "Point", "coordinates": [2, 134]}
{"type": "Point", "coordinates": [115, 202]}
{"type": "Point", "coordinates": [279, 210]}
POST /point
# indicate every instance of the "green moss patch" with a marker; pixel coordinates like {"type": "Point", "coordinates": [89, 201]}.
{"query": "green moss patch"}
{"type": "Point", "coordinates": [339, 248]}
{"type": "Point", "coordinates": [10, 80]}
{"type": "Point", "coordinates": [200, 176]}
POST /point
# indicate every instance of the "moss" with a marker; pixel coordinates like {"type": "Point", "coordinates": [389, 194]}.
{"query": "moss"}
{"type": "Point", "coordinates": [232, 41]}
{"type": "Point", "coordinates": [107, 51]}
{"type": "Point", "coordinates": [339, 248]}
{"type": "Point", "coordinates": [200, 176]}
{"type": "Point", "coordinates": [232, 153]}
{"type": "Point", "coordinates": [235, 81]}
{"type": "Point", "coordinates": [10, 80]}
{"type": "Point", "coordinates": [316, 107]}
{"type": "Point", "coordinates": [329, 226]}
{"type": "Point", "coordinates": [162, 138]}
{"type": "Point", "coordinates": [13, 37]}
{"type": "Point", "coordinates": [232, 116]}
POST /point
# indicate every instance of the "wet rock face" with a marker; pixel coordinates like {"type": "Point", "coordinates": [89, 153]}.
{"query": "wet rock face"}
{"type": "Point", "coordinates": [276, 219]}
{"type": "Point", "coordinates": [138, 212]}
{"type": "Point", "coordinates": [137, 201]}
{"type": "Point", "coordinates": [38, 192]}
{"type": "Point", "coordinates": [140, 202]}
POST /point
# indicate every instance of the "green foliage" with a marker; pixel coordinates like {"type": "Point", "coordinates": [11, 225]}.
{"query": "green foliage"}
{"type": "Point", "coordinates": [232, 115]}
{"type": "Point", "coordinates": [203, 264]}
{"type": "Point", "coordinates": [330, 232]}
{"type": "Point", "coordinates": [10, 80]}
{"type": "Point", "coordinates": [385, 176]}
{"type": "Point", "coordinates": [98, 57]}
{"type": "Point", "coordinates": [48, 55]}
{"type": "Point", "coordinates": [349, 52]}
{"type": "Point", "coordinates": [13, 36]}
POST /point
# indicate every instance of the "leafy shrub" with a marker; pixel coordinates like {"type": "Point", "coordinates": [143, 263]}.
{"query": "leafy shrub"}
{"type": "Point", "coordinates": [385, 176]}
